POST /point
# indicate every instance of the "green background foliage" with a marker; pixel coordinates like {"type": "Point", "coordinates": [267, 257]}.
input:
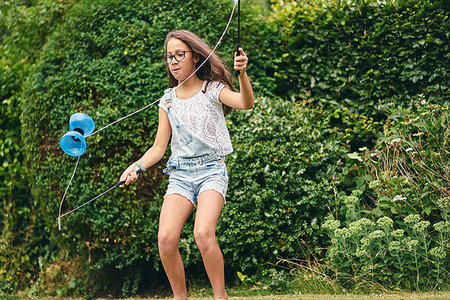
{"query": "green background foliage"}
{"type": "Point", "coordinates": [24, 28]}
{"type": "Point", "coordinates": [336, 82]}
{"type": "Point", "coordinates": [352, 56]}
{"type": "Point", "coordinates": [282, 177]}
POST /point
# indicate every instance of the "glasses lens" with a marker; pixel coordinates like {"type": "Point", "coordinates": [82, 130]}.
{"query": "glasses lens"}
{"type": "Point", "coordinates": [179, 56]}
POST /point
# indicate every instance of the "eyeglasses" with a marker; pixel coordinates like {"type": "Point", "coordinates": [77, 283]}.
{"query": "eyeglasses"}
{"type": "Point", "coordinates": [179, 56]}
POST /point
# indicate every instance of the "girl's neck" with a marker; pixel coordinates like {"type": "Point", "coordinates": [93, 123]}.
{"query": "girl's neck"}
{"type": "Point", "coordinates": [189, 88]}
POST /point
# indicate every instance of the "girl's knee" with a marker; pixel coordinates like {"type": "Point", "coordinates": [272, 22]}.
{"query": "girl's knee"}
{"type": "Point", "coordinates": [167, 243]}
{"type": "Point", "coordinates": [204, 238]}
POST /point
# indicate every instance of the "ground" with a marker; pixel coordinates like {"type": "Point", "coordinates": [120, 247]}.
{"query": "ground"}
{"type": "Point", "coordinates": [399, 296]}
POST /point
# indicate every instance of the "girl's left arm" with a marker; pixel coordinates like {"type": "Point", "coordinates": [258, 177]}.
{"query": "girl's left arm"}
{"type": "Point", "coordinates": [244, 99]}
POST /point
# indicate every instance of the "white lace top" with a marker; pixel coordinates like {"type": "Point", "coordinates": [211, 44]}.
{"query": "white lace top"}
{"type": "Point", "coordinates": [203, 115]}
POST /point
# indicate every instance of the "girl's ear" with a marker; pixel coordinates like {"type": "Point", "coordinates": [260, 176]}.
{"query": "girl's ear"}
{"type": "Point", "coordinates": [196, 58]}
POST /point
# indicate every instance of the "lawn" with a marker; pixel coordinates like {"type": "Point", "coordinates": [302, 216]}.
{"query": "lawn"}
{"type": "Point", "coordinates": [405, 296]}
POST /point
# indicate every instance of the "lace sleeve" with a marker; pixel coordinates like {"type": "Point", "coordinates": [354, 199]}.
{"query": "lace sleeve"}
{"type": "Point", "coordinates": [214, 89]}
{"type": "Point", "coordinates": [162, 105]}
{"type": "Point", "coordinates": [165, 100]}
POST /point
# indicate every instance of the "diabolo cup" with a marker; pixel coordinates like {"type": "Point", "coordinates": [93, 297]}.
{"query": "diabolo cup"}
{"type": "Point", "coordinates": [73, 142]}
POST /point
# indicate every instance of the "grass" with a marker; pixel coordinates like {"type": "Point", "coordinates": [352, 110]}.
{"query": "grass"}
{"type": "Point", "coordinates": [401, 296]}
{"type": "Point", "coordinates": [260, 293]}
{"type": "Point", "coordinates": [307, 281]}
{"type": "Point", "coordinates": [412, 296]}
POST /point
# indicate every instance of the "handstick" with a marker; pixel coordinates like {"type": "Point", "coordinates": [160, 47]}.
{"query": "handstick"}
{"type": "Point", "coordinates": [95, 198]}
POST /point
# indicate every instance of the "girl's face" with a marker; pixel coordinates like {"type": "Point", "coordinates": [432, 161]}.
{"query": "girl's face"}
{"type": "Point", "coordinates": [180, 59]}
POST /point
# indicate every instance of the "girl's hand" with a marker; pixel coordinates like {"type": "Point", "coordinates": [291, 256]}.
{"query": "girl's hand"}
{"type": "Point", "coordinates": [240, 61]}
{"type": "Point", "coordinates": [129, 175]}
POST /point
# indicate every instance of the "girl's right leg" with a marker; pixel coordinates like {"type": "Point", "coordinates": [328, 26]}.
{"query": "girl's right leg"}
{"type": "Point", "coordinates": [174, 213]}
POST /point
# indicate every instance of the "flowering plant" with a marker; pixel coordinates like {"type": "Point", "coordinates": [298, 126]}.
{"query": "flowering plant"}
{"type": "Point", "coordinates": [399, 238]}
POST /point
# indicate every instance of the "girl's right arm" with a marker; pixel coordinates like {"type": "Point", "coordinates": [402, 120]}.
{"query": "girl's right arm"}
{"type": "Point", "coordinates": [155, 153]}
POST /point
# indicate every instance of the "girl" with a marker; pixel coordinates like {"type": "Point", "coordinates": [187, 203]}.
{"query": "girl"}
{"type": "Point", "coordinates": [193, 115]}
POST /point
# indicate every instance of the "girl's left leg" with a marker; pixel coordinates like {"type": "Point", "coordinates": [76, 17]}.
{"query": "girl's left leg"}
{"type": "Point", "coordinates": [209, 206]}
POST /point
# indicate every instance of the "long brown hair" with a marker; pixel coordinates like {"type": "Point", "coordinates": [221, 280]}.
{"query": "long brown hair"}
{"type": "Point", "coordinates": [213, 70]}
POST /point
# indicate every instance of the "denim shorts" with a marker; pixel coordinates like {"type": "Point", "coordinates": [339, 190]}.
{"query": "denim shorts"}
{"type": "Point", "coordinates": [189, 177]}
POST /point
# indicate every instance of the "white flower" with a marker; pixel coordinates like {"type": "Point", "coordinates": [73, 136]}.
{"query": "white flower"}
{"type": "Point", "coordinates": [342, 233]}
{"type": "Point", "coordinates": [365, 242]}
{"type": "Point", "coordinates": [331, 225]}
{"type": "Point", "coordinates": [444, 203]}
{"type": "Point", "coordinates": [412, 244]}
{"type": "Point", "coordinates": [409, 149]}
{"type": "Point", "coordinates": [351, 201]}
{"type": "Point", "coordinates": [365, 222]}
{"type": "Point", "coordinates": [440, 226]}
{"type": "Point", "coordinates": [374, 184]}
{"type": "Point", "coordinates": [376, 234]}
{"type": "Point", "coordinates": [361, 252]}
{"type": "Point", "coordinates": [399, 198]}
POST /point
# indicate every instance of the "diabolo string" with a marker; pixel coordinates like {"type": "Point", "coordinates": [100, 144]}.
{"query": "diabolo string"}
{"type": "Point", "coordinates": [137, 111]}
{"type": "Point", "coordinates": [64, 196]}
{"type": "Point", "coordinates": [239, 23]}
{"type": "Point", "coordinates": [238, 44]}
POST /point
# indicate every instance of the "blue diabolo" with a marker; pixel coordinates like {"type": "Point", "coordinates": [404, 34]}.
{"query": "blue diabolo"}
{"type": "Point", "coordinates": [74, 141]}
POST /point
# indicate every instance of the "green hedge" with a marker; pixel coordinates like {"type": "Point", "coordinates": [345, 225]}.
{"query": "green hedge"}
{"type": "Point", "coordinates": [380, 72]}
{"type": "Point", "coordinates": [282, 183]}
{"type": "Point", "coordinates": [354, 55]}
{"type": "Point", "coordinates": [24, 28]}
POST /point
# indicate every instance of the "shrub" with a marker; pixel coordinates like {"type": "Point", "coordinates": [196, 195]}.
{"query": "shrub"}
{"type": "Point", "coordinates": [281, 183]}
{"type": "Point", "coordinates": [24, 28]}
{"type": "Point", "coordinates": [402, 241]}
{"type": "Point", "coordinates": [408, 169]}
{"type": "Point", "coordinates": [397, 257]}
{"type": "Point", "coordinates": [353, 55]}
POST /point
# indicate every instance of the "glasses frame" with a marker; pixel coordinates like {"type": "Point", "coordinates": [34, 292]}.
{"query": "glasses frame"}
{"type": "Point", "coordinates": [169, 58]}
